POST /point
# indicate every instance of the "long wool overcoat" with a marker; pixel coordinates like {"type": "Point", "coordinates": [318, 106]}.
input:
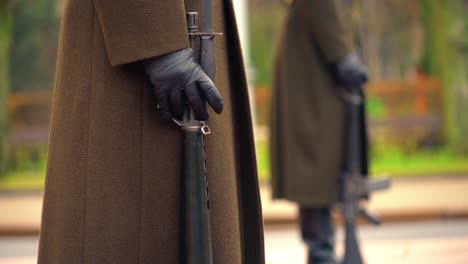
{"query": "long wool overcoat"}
{"type": "Point", "coordinates": [113, 183]}
{"type": "Point", "coordinates": [308, 116]}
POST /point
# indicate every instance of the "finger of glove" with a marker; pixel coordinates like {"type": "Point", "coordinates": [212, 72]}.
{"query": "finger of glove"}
{"type": "Point", "coordinates": [360, 73]}
{"type": "Point", "coordinates": [164, 106]}
{"type": "Point", "coordinates": [196, 103]}
{"type": "Point", "coordinates": [176, 99]}
{"type": "Point", "coordinates": [364, 78]}
{"type": "Point", "coordinates": [360, 79]}
{"type": "Point", "coordinates": [353, 79]}
{"type": "Point", "coordinates": [211, 94]}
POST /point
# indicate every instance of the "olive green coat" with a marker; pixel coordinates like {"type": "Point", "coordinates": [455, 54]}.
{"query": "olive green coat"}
{"type": "Point", "coordinates": [308, 116]}
{"type": "Point", "coordinates": [113, 179]}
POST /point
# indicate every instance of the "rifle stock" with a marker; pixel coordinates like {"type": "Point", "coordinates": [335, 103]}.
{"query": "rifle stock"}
{"type": "Point", "coordinates": [352, 252]}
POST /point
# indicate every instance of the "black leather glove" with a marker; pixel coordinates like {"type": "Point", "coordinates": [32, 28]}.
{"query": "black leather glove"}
{"type": "Point", "coordinates": [350, 72]}
{"type": "Point", "coordinates": [178, 79]}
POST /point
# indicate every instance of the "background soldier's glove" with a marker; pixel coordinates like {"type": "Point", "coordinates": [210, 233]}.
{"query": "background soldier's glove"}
{"type": "Point", "coordinates": [178, 79]}
{"type": "Point", "coordinates": [350, 72]}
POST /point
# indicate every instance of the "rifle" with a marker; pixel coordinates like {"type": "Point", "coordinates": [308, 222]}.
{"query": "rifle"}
{"type": "Point", "coordinates": [196, 242]}
{"type": "Point", "coordinates": [353, 185]}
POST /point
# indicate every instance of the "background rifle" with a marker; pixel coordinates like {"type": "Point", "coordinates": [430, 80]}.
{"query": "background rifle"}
{"type": "Point", "coordinates": [354, 186]}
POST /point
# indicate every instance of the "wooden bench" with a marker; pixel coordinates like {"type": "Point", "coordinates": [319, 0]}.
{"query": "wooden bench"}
{"type": "Point", "coordinates": [412, 115]}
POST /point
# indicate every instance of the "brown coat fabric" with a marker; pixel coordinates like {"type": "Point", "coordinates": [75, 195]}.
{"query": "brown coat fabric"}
{"type": "Point", "coordinates": [113, 179]}
{"type": "Point", "coordinates": [308, 116]}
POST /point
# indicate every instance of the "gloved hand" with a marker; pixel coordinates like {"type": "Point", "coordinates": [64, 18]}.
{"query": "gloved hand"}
{"type": "Point", "coordinates": [350, 72]}
{"type": "Point", "coordinates": [178, 79]}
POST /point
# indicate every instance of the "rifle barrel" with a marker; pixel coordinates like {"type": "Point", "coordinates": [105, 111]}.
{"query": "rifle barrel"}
{"type": "Point", "coordinates": [197, 220]}
{"type": "Point", "coordinates": [197, 248]}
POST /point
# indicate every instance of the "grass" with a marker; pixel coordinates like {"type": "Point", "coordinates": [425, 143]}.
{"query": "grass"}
{"type": "Point", "coordinates": [392, 163]}
{"type": "Point", "coordinates": [28, 176]}
{"type": "Point", "coordinates": [22, 180]}
{"type": "Point", "coordinates": [263, 160]}
{"type": "Point", "coordinates": [440, 163]}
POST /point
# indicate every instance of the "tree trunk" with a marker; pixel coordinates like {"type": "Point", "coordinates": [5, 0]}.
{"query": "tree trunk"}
{"type": "Point", "coordinates": [444, 58]}
{"type": "Point", "coordinates": [4, 81]}
{"type": "Point", "coordinates": [438, 59]}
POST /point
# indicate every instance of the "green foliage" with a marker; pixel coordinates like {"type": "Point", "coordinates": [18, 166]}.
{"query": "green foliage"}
{"type": "Point", "coordinates": [264, 26]}
{"type": "Point", "coordinates": [375, 108]}
{"type": "Point", "coordinates": [34, 44]}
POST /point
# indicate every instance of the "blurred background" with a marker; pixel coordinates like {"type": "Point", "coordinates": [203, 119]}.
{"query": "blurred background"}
{"type": "Point", "coordinates": [417, 54]}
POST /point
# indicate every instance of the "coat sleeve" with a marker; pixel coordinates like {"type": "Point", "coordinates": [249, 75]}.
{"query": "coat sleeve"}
{"type": "Point", "coordinates": [324, 20]}
{"type": "Point", "coordinates": [139, 29]}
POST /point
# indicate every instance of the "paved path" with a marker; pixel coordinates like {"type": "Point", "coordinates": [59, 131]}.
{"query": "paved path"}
{"type": "Point", "coordinates": [438, 242]}
{"type": "Point", "coordinates": [436, 251]}
{"type": "Point", "coordinates": [416, 198]}
{"type": "Point", "coordinates": [409, 199]}
{"type": "Point", "coordinates": [21, 211]}
{"type": "Point", "coordinates": [435, 242]}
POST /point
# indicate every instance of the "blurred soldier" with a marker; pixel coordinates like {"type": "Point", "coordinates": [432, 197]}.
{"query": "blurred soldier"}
{"type": "Point", "coordinates": [314, 60]}
{"type": "Point", "coordinates": [113, 179]}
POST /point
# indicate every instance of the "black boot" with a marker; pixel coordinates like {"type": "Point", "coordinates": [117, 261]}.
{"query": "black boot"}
{"type": "Point", "coordinates": [318, 233]}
